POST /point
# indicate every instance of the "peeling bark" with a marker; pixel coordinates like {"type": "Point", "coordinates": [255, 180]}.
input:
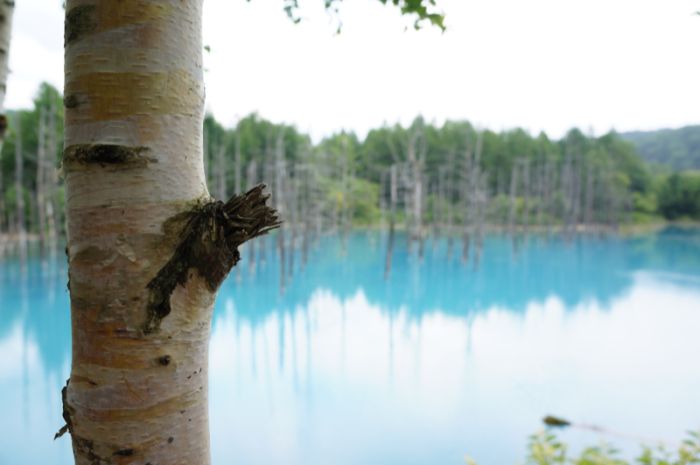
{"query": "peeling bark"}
{"type": "Point", "coordinates": [210, 242]}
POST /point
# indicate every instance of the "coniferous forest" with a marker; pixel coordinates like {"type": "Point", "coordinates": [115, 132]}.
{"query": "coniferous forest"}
{"type": "Point", "coordinates": [453, 179]}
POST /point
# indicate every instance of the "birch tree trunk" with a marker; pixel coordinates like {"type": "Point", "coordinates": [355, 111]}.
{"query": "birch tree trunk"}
{"type": "Point", "coordinates": [7, 9]}
{"type": "Point", "coordinates": [147, 246]}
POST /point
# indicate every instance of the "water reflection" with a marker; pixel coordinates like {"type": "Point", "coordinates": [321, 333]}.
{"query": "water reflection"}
{"type": "Point", "coordinates": [436, 361]}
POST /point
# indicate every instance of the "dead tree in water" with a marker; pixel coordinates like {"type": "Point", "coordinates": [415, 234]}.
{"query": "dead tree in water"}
{"type": "Point", "coordinates": [567, 190]}
{"type": "Point", "coordinates": [513, 200]}
{"type": "Point", "coordinates": [470, 194]}
{"type": "Point", "coordinates": [53, 212]}
{"type": "Point", "coordinates": [41, 181]}
{"type": "Point", "coordinates": [307, 207]}
{"type": "Point", "coordinates": [280, 187]}
{"type": "Point", "coordinates": [543, 183]}
{"type": "Point", "coordinates": [347, 176]}
{"type": "Point", "coordinates": [221, 187]}
{"type": "Point", "coordinates": [237, 186]}
{"type": "Point", "coordinates": [481, 196]}
{"type": "Point", "coordinates": [19, 194]}
{"type": "Point", "coordinates": [577, 193]}
{"type": "Point", "coordinates": [251, 180]}
{"type": "Point", "coordinates": [393, 196]}
{"type": "Point", "coordinates": [590, 193]}
{"type": "Point", "coordinates": [292, 197]}
{"type": "Point", "coordinates": [526, 197]}
{"type": "Point", "coordinates": [449, 197]}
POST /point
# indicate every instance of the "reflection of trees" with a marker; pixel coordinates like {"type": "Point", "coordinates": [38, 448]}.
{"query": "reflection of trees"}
{"type": "Point", "coordinates": [38, 301]}
{"type": "Point", "coordinates": [586, 268]}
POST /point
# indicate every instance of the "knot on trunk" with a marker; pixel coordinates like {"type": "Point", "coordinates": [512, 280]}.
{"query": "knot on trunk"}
{"type": "Point", "coordinates": [210, 241]}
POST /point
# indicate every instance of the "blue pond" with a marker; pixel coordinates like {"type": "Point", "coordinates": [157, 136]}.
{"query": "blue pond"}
{"type": "Point", "coordinates": [438, 361]}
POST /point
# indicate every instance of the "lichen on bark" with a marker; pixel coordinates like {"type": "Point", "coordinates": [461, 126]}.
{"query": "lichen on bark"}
{"type": "Point", "coordinates": [79, 21]}
{"type": "Point", "coordinates": [115, 155]}
{"type": "Point", "coordinates": [209, 244]}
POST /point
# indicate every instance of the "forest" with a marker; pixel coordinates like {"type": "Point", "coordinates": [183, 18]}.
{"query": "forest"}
{"type": "Point", "coordinates": [455, 178]}
{"type": "Point", "coordinates": [675, 148]}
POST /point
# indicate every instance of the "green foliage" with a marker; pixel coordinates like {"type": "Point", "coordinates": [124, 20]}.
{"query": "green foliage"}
{"type": "Point", "coordinates": [422, 10]}
{"type": "Point", "coordinates": [350, 175]}
{"type": "Point", "coordinates": [679, 196]}
{"type": "Point", "coordinates": [544, 448]}
{"type": "Point", "coordinates": [677, 148]}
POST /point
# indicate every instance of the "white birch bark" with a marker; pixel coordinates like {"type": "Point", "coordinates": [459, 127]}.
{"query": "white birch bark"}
{"type": "Point", "coordinates": [7, 8]}
{"type": "Point", "coordinates": [147, 246]}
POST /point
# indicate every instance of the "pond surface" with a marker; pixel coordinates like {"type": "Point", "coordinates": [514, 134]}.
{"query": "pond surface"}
{"type": "Point", "coordinates": [438, 361]}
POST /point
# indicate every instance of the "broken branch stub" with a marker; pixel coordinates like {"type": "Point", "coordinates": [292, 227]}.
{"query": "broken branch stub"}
{"type": "Point", "coordinates": [210, 241]}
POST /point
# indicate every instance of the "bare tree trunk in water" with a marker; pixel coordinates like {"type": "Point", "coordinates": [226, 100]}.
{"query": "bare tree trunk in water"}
{"type": "Point", "coordinates": [251, 180]}
{"type": "Point", "coordinates": [526, 196]}
{"type": "Point", "coordinates": [221, 172]}
{"type": "Point", "coordinates": [513, 210]}
{"type": "Point", "coordinates": [467, 204]}
{"type": "Point", "coordinates": [52, 211]}
{"type": "Point", "coordinates": [147, 246]}
{"type": "Point", "coordinates": [576, 200]}
{"type": "Point", "coordinates": [19, 194]}
{"type": "Point", "coordinates": [588, 211]}
{"type": "Point", "coordinates": [292, 196]}
{"type": "Point", "coordinates": [481, 195]}
{"type": "Point", "coordinates": [393, 195]}
{"type": "Point", "coordinates": [476, 200]}
{"type": "Point", "coordinates": [41, 180]}
{"type": "Point", "coordinates": [449, 195]}
{"type": "Point", "coordinates": [305, 202]}
{"type": "Point", "coordinates": [237, 167]}
{"type": "Point", "coordinates": [280, 186]}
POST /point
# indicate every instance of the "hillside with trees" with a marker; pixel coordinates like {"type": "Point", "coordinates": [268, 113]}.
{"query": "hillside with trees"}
{"type": "Point", "coordinates": [678, 149]}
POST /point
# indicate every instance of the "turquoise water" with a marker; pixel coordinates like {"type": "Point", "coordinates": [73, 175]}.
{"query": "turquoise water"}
{"type": "Point", "coordinates": [437, 361]}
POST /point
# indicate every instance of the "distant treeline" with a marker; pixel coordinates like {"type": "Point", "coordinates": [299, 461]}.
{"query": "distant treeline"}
{"type": "Point", "coordinates": [678, 149]}
{"type": "Point", "coordinates": [451, 179]}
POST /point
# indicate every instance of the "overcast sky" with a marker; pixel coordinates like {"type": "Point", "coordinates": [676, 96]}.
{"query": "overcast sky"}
{"type": "Point", "coordinates": [538, 64]}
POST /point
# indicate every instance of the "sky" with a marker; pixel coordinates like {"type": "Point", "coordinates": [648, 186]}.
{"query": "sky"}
{"type": "Point", "coordinates": [543, 65]}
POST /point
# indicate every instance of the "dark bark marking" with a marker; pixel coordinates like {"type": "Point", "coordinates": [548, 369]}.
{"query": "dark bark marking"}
{"type": "Point", "coordinates": [209, 244]}
{"type": "Point", "coordinates": [71, 101]}
{"type": "Point", "coordinates": [79, 21]}
{"type": "Point", "coordinates": [164, 360]}
{"type": "Point", "coordinates": [81, 445]}
{"type": "Point", "coordinates": [107, 155]}
{"type": "Point", "coordinates": [3, 126]}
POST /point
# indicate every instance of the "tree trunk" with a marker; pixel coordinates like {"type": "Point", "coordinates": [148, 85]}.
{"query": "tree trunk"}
{"type": "Point", "coordinates": [52, 212]}
{"type": "Point", "coordinates": [147, 246]}
{"type": "Point", "coordinates": [7, 9]}
{"type": "Point", "coordinates": [393, 196]}
{"type": "Point", "coordinates": [41, 180]}
{"type": "Point", "coordinates": [221, 172]}
{"type": "Point", "coordinates": [19, 194]}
